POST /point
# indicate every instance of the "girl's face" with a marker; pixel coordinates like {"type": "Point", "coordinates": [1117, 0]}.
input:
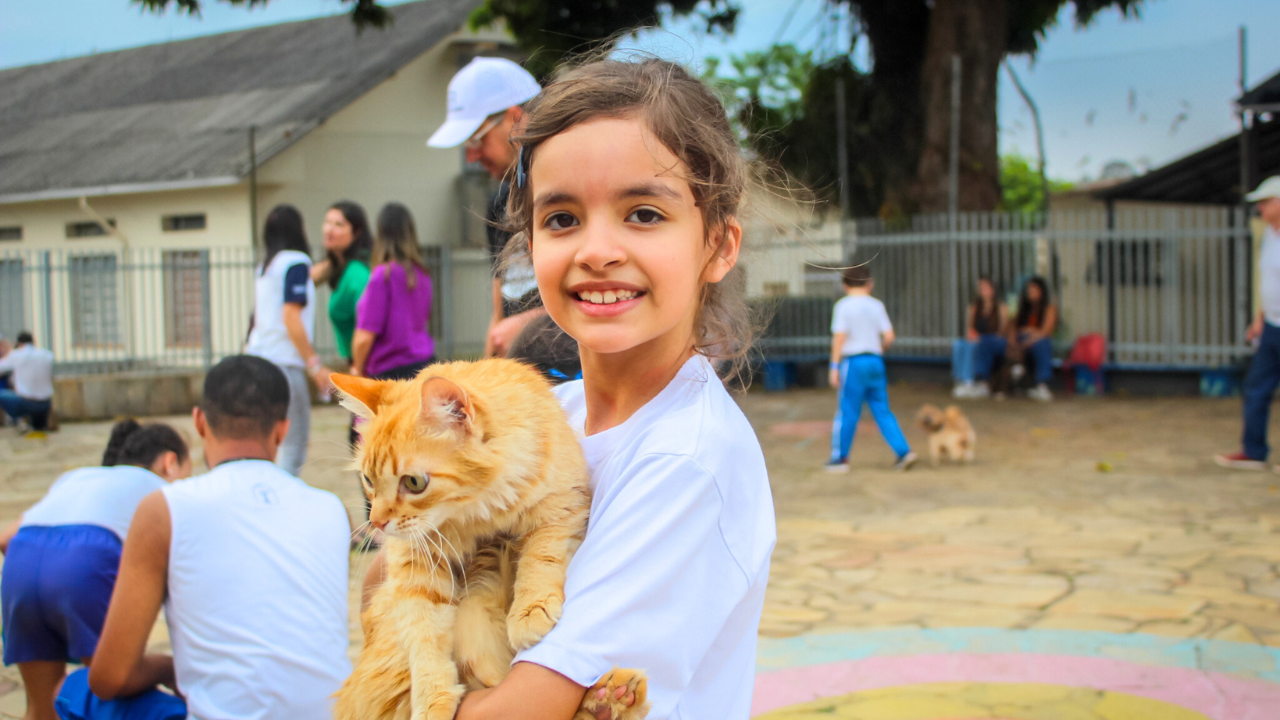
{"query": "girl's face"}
{"type": "Point", "coordinates": [337, 231]}
{"type": "Point", "coordinates": [1033, 292]}
{"type": "Point", "coordinates": [986, 290]}
{"type": "Point", "coordinates": [618, 244]}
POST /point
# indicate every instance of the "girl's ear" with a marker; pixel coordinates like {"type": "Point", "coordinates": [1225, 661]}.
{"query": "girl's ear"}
{"type": "Point", "coordinates": [361, 396]}
{"type": "Point", "coordinates": [727, 243]}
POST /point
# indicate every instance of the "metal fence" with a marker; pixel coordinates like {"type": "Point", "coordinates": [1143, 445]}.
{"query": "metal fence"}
{"type": "Point", "coordinates": [118, 310]}
{"type": "Point", "coordinates": [1167, 287]}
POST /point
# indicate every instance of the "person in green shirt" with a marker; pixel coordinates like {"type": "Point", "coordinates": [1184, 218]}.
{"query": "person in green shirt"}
{"type": "Point", "coordinates": [347, 244]}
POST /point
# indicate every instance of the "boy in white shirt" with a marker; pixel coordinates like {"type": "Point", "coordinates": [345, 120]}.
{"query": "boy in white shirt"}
{"type": "Point", "coordinates": [32, 379]}
{"type": "Point", "coordinates": [861, 330]}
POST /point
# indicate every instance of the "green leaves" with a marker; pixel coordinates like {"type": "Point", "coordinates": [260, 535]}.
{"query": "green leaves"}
{"type": "Point", "coordinates": [364, 13]}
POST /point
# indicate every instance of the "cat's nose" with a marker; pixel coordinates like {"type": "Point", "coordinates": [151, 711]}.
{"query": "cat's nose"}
{"type": "Point", "coordinates": [380, 524]}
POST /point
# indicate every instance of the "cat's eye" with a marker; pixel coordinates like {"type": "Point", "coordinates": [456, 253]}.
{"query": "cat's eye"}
{"type": "Point", "coordinates": [414, 483]}
{"type": "Point", "coordinates": [367, 482]}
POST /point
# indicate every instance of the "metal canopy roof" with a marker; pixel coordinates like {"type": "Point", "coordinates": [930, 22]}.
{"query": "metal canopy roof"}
{"type": "Point", "coordinates": [177, 114]}
{"type": "Point", "coordinates": [1210, 175]}
{"type": "Point", "coordinates": [1264, 97]}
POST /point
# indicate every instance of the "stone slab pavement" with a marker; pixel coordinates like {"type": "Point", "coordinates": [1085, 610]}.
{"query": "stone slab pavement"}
{"type": "Point", "coordinates": [1092, 563]}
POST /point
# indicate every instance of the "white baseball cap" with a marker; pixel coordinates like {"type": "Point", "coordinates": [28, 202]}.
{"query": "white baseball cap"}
{"type": "Point", "coordinates": [1270, 188]}
{"type": "Point", "coordinates": [487, 85]}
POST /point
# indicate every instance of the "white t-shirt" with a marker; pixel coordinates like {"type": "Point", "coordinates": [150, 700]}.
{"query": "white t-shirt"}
{"type": "Point", "coordinates": [32, 369]}
{"type": "Point", "coordinates": [257, 594]}
{"type": "Point", "coordinates": [102, 496]}
{"type": "Point", "coordinates": [671, 576]}
{"type": "Point", "coordinates": [287, 280]}
{"type": "Point", "coordinates": [862, 319]}
{"type": "Point", "coordinates": [1269, 276]}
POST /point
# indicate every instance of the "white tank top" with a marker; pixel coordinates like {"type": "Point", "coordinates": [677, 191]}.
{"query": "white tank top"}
{"type": "Point", "coordinates": [257, 594]}
{"type": "Point", "coordinates": [102, 496]}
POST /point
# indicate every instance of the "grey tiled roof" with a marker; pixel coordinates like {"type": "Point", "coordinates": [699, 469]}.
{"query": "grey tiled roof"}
{"type": "Point", "coordinates": [178, 113]}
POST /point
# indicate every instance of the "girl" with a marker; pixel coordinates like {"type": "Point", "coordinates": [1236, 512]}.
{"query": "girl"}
{"type": "Point", "coordinates": [1032, 328]}
{"type": "Point", "coordinates": [348, 245]}
{"type": "Point", "coordinates": [284, 324]}
{"type": "Point", "coordinates": [627, 193]}
{"type": "Point", "coordinates": [61, 557]}
{"type": "Point", "coordinates": [391, 340]}
{"type": "Point", "coordinates": [987, 319]}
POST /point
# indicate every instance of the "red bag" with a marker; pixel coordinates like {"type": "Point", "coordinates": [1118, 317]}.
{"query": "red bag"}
{"type": "Point", "coordinates": [1090, 350]}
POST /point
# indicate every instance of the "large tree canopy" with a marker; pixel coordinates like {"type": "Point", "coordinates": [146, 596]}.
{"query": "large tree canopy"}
{"type": "Point", "coordinates": [899, 111]}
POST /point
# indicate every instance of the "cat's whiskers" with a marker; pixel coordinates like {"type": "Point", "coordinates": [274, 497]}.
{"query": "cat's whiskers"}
{"type": "Point", "coordinates": [462, 565]}
{"type": "Point", "coordinates": [444, 556]}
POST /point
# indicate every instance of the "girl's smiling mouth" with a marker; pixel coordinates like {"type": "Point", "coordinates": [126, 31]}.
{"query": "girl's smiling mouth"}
{"type": "Point", "coordinates": [605, 299]}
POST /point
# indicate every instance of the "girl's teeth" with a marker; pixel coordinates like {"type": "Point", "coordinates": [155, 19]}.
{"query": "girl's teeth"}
{"type": "Point", "coordinates": [597, 298]}
{"type": "Point", "coordinates": [607, 297]}
{"type": "Point", "coordinates": [610, 297]}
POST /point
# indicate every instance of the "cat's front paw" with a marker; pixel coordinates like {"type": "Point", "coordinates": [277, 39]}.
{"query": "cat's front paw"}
{"type": "Point", "coordinates": [527, 623]}
{"type": "Point", "coordinates": [620, 694]}
{"type": "Point", "coordinates": [441, 704]}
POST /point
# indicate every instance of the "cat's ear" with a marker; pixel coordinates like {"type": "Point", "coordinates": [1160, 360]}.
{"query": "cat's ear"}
{"type": "Point", "coordinates": [361, 396]}
{"type": "Point", "coordinates": [445, 405]}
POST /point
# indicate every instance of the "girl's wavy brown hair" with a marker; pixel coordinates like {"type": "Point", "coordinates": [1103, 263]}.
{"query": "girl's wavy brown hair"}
{"type": "Point", "coordinates": [687, 118]}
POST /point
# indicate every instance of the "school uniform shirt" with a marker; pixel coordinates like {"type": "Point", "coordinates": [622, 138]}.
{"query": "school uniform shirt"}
{"type": "Point", "coordinates": [32, 369]}
{"type": "Point", "coordinates": [287, 279]}
{"type": "Point", "coordinates": [103, 496]}
{"type": "Point", "coordinates": [863, 320]}
{"type": "Point", "coordinates": [1269, 276]}
{"type": "Point", "coordinates": [671, 576]}
{"type": "Point", "coordinates": [257, 594]}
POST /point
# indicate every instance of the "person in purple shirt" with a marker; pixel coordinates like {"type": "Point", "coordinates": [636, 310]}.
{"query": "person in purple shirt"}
{"type": "Point", "coordinates": [391, 341]}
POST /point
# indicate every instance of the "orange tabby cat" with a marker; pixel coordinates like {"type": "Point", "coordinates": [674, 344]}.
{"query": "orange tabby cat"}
{"type": "Point", "coordinates": [477, 480]}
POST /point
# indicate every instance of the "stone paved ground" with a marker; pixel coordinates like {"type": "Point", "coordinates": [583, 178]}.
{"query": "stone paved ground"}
{"type": "Point", "coordinates": [1080, 515]}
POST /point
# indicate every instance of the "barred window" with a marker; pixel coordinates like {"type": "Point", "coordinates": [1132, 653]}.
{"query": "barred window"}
{"type": "Point", "coordinates": [89, 228]}
{"type": "Point", "coordinates": [12, 299]}
{"type": "Point", "coordinates": [185, 284]}
{"type": "Point", "coordinates": [95, 318]}
{"type": "Point", "coordinates": [11, 232]}
{"type": "Point", "coordinates": [179, 223]}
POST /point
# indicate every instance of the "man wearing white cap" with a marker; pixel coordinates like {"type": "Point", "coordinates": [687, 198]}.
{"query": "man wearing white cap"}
{"type": "Point", "coordinates": [1264, 370]}
{"type": "Point", "coordinates": [484, 105]}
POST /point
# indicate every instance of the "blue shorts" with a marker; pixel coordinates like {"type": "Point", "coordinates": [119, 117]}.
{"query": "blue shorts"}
{"type": "Point", "coordinates": [76, 702]}
{"type": "Point", "coordinates": [54, 591]}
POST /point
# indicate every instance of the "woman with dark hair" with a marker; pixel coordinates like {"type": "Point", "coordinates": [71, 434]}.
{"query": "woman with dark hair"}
{"type": "Point", "coordinates": [348, 245]}
{"type": "Point", "coordinates": [62, 555]}
{"type": "Point", "coordinates": [391, 340]}
{"type": "Point", "coordinates": [986, 322]}
{"type": "Point", "coordinates": [284, 324]}
{"type": "Point", "coordinates": [1032, 327]}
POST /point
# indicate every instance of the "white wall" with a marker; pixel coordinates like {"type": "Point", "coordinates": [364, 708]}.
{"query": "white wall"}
{"type": "Point", "coordinates": [374, 151]}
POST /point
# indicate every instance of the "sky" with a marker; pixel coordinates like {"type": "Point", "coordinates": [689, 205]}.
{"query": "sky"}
{"type": "Point", "coordinates": [1142, 91]}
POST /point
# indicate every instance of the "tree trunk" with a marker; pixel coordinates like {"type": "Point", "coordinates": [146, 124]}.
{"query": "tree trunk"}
{"type": "Point", "coordinates": [976, 30]}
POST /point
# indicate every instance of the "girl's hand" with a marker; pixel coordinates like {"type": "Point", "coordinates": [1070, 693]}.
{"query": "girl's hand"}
{"type": "Point", "coordinates": [972, 335]}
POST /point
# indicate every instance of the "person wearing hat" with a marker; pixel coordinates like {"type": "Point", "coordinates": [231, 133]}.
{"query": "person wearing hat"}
{"type": "Point", "coordinates": [484, 106]}
{"type": "Point", "coordinates": [1264, 370]}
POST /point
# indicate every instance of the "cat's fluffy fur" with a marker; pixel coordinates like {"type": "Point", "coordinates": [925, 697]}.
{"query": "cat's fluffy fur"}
{"type": "Point", "coordinates": [476, 558]}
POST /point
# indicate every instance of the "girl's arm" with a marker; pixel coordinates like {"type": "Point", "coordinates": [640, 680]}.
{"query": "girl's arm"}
{"type": "Point", "coordinates": [1050, 321]}
{"type": "Point", "coordinates": [298, 336]}
{"type": "Point", "coordinates": [529, 692]}
{"type": "Point", "coordinates": [361, 345]}
{"type": "Point", "coordinates": [969, 331]}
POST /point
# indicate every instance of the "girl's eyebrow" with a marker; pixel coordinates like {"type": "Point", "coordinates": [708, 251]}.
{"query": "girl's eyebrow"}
{"type": "Point", "coordinates": [651, 190]}
{"type": "Point", "coordinates": [646, 190]}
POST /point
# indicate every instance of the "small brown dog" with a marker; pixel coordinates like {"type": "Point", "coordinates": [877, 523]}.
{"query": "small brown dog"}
{"type": "Point", "coordinates": [950, 434]}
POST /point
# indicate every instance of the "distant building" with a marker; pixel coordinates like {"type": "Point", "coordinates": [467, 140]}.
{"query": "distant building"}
{"type": "Point", "coordinates": [142, 157]}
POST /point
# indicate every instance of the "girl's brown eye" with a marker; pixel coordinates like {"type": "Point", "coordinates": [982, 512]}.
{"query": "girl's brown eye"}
{"type": "Point", "coordinates": [414, 483]}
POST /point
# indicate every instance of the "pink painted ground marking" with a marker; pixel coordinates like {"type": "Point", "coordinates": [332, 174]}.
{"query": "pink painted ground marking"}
{"type": "Point", "coordinates": [1217, 695]}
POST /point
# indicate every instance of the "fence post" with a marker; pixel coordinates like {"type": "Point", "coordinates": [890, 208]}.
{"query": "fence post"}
{"type": "Point", "coordinates": [1171, 292]}
{"type": "Point", "coordinates": [1244, 263]}
{"type": "Point", "coordinates": [48, 299]}
{"type": "Point", "coordinates": [446, 299]}
{"type": "Point", "coordinates": [206, 310]}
